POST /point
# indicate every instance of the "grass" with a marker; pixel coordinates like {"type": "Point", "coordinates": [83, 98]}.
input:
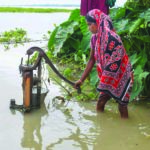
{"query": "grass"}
{"type": "Point", "coordinates": [33, 10]}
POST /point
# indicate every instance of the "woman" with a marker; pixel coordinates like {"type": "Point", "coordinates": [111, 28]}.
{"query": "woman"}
{"type": "Point", "coordinates": [87, 5]}
{"type": "Point", "coordinates": [113, 66]}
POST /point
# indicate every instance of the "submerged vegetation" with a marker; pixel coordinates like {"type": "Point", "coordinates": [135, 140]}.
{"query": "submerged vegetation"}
{"type": "Point", "coordinates": [19, 36]}
{"type": "Point", "coordinates": [69, 42]}
{"type": "Point", "coordinates": [15, 37]}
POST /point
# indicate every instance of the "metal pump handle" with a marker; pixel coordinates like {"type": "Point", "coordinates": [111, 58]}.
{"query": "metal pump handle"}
{"type": "Point", "coordinates": [41, 55]}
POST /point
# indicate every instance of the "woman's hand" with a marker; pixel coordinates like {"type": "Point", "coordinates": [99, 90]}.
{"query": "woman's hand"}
{"type": "Point", "coordinates": [77, 84]}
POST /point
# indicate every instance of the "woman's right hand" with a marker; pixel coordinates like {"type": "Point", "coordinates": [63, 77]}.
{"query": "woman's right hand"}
{"type": "Point", "coordinates": [77, 84]}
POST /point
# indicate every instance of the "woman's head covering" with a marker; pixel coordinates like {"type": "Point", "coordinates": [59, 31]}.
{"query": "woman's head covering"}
{"type": "Point", "coordinates": [97, 16]}
{"type": "Point", "coordinates": [93, 15]}
{"type": "Point", "coordinates": [113, 66]}
{"type": "Point", "coordinates": [90, 19]}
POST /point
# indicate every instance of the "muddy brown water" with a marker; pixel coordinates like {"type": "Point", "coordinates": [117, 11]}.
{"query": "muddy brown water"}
{"type": "Point", "coordinates": [65, 126]}
{"type": "Point", "coordinates": [71, 125]}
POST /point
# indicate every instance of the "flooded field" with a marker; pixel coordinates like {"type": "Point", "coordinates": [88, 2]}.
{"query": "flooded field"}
{"type": "Point", "coordinates": [64, 126]}
{"type": "Point", "coordinates": [36, 24]}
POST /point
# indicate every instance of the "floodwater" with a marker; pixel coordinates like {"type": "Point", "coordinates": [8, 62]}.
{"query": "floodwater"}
{"type": "Point", "coordinates": [64, 126]}
{"type": "Point", "coordinates": [36, 24]}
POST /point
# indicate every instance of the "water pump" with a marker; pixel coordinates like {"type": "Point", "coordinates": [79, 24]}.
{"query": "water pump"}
{"type": "Point", "coordinates": [33, 93]}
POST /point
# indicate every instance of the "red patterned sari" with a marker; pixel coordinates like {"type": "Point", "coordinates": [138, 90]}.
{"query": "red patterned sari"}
{"type": "Point", "coordinates": [113, 65]}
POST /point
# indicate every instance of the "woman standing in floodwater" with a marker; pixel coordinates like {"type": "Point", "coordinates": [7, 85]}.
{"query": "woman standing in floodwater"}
{"type": "Point", "coordinates": [113, 65]}
{"type": "Point", "coordinates": [87, 5]}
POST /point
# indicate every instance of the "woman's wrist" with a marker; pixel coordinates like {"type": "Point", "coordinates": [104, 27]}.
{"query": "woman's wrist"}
{"type": "Point", "coordinates": [80, 81]}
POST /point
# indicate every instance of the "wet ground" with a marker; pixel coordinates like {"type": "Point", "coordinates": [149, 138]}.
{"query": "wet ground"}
{"type": "Point", "coordinates": [65, 126]}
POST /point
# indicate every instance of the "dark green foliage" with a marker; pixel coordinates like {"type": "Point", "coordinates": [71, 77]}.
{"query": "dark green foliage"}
{"type": "Point", "coordinates": [131, 22]}
{"type": "Point", "coordinates": [110, 3]}
{"type": "Point", "coordinates": [70, 37]}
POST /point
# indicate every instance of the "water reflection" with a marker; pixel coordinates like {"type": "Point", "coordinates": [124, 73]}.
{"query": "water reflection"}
{"type": "Point", "coordinates": [61, 126]}
{"type": "Point", "coordinates": [32, 125]}
{"type": "Point", "coordinates": [117, 133]}
{"type": "Point", "coordinates": [77, 126]}
{"type": "Point", "coordinates": [75, 129]}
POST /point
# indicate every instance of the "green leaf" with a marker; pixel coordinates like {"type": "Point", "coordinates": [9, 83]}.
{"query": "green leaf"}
{"type": "Point", "coordinates": [139, 75]}
{"type": "Point", "coordinates": [75, 57]}
{"type": "Point", "coordinates": [138, 70]}
{"type": "Point", "coordinates": [63, 33]}
{"type": "Point", "coordinates": [121, 26]}
{"type": "Point", "coordinates": [135, 25]}
{"type": "Point", "coordinates": [52, 38]}
{"type": "Point", "coordinates": [93, 77]}
{"type": "Point", "coordinates": [75, 15]}
{"type": "Point", "coordinates": [146, 15]}
{"type": "Point", "coordinates": [143, 58]}
{"type": "Point", "coordinates": [144, 38]}
{"type": "Point", "coordinates": [110, 3]}
{"type": "Point", "coordinates": [143, 75]}
{"type": "Point", "coordinates": [67, 72]}
{"type": "Point", "coordinates": [75, 43]}
{"type": "Point", "coordinates": [134, 59]}
{"type": "Point", "coordinates": [84, 58]}
{"type": "Point", "coordinates": [120, 13]}
{"type": "Point", "coordinates": [137, 88]}
{"type": "Point", "coordinates": [85, 42]}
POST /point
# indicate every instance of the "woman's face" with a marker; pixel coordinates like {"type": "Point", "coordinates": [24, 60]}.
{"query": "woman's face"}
{"type": "Point", "coordinates": [92, 27]}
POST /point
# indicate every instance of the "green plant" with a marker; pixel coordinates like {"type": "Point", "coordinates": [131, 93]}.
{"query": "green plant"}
{"type": "Point", "coordinates": [70, 37]}
{"type": "Point", "coordinates": [71, 41]}
{"type": "Point", "coordinates": [134, 19]}
{"type": "Point", "coordinates": [15, 37]}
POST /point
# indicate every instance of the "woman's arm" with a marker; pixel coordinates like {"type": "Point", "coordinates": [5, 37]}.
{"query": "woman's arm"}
{"type": "Point", "coordinates": [87, 70]}
{"type": "Point", "coordinates": [89, 66]}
